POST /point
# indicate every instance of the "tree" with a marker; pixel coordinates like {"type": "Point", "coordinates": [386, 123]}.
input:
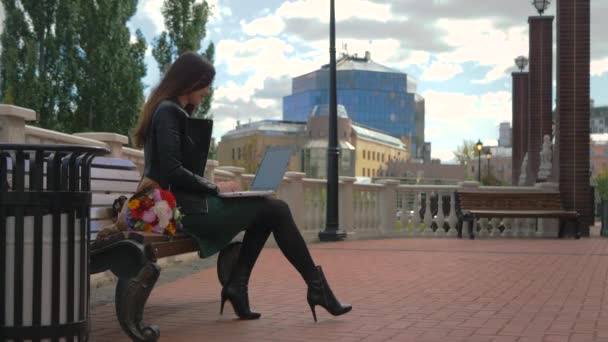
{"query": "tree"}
{"type": "Point", "coordinates": [73, 62]}
{"type": "Point", "coordinates": [110, 88]}
{"type": "Point", "coordinates": [465, 152]}
{"type": "Point", "coordinates": [186, 23]}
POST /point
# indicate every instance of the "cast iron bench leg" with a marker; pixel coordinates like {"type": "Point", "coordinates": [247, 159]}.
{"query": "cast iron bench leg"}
{"type": "Point", "coordinates": [131, 296]}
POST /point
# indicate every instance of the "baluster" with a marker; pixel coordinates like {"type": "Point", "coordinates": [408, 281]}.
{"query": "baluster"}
{"type": "Point", "coordinates": [405, 211]}
{"type": "Point", "coordinates": [532, 227]}
{"type": "Point", "coordinates": [416, 214]}
{"type": "Point", "coordinates": [483, 231]}
{"type": "Point", "coordinates": [428, 217]}
{"type": "Point", "coordinates": [495, 227]}
{"type": "Point", "coordinates": [508, 232]}
{"type": "Point", "coordinates": [453, 219]}
{"type": "Point", "coordinates": [440, 232]}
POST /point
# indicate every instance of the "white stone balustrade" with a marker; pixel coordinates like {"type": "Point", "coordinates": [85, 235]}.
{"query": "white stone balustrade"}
{"type": "Point", "coordinates": [365, 210]}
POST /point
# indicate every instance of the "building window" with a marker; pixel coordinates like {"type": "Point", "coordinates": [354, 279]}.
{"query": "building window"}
{"type": "Point", "coordinates": [382, 157]}
{"type": "Point", "coordinates": [233, 154]}
{"type": "Point", "coordinates": [363, 154]}
{"type": "Point", "coordinates": [239, 153]}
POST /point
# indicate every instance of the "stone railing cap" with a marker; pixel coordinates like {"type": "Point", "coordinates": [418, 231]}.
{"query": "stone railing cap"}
{"type": "Point", "coordinates": [20, 112]}
{"type": "Point", "coordinates": [233, 169]}
{"type": "Point", "coordinates": [105, 137]}
{"type": "Point", "coordinates": [214, 163]}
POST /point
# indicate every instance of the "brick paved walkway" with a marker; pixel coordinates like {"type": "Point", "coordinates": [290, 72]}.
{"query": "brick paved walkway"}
{"type": "Point", "coordinates": [401, 290]}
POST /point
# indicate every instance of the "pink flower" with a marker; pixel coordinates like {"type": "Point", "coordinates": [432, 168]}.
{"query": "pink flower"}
{"type": "Point", "coordinates": [157, 229]}
{"type": "Point", "coordinates": [156, 195]}
{"type": "Point", "coordinates": [149, 216]}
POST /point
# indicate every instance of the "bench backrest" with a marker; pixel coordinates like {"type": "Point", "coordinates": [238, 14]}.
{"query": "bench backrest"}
{"type": "Point", "coordinates": [110, 178]}
{"type": "Point", "coordinates": [509, 201]}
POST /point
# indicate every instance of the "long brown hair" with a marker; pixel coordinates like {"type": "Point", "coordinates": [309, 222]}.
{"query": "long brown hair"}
{"type": "Point", "coordinates": [189, 72]}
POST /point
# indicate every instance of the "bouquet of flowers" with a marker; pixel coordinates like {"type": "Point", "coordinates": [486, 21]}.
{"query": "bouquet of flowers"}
{"type": "Point", "coordinates": [154, 210]}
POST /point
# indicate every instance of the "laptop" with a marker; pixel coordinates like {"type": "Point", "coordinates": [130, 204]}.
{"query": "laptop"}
{"type": "Point", "coordinates": [269, 174]}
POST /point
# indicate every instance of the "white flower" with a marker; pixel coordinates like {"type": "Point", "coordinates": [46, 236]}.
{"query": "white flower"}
{"type": "Point", "coordinates": [163, 212]}
{"type": "Point", "coordinates": [176, 214]}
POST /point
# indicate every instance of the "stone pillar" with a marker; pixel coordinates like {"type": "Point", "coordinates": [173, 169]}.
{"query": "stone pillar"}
{"type": "Point", "coordinates": [520, 123]}
{"type": "Point", "coordinates": [540, 89]}
{"type": "Point", "coordinates": [346, 206]}
{"type": "Point", "coordinates": [12, 123]}
{"type": "Point", "coordinates": [210, 170]}
{"type": "Point", "coordinates": [237, 171]}
{"type": "Point", "coordinates": [573, 67]}
{"type": "Point", "coordinates": [294, 196]}
{"type": "Point", "coordinates": [113, 140]}
{"type": "Point", "coordinates": [388, 205]}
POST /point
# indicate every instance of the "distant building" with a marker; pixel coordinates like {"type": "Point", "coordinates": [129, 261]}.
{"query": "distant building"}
{"type": "Point", "coordinates": [598, 153]}
{"type": "Point", "coordinates": [504, 134]}
{"type": "Point", "coordinates": [598, 121]}
{"type": "Point", "coordinates": [364, 151]}
{"type": "Point", "coordinates": [409, 171]}
{"type": "Point", "coordinates": [374, 95]}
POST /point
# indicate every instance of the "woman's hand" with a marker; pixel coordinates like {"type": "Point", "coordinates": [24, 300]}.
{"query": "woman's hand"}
{"type": "Point", "coordinates": [230, 186]}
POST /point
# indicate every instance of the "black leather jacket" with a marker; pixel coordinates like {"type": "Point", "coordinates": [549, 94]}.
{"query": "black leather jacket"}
{"type": "Point", "coordinates": [175, 155]}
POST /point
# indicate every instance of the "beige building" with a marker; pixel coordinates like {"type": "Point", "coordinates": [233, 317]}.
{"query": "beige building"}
{"type": "Point", "coordinates": [364, 151]}
{"type": "Point", "coordinates": [245, 145]}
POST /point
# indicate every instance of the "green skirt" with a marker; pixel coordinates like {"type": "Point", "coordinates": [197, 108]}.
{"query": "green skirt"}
{"type": "Point", "coordinates": [224, 219]}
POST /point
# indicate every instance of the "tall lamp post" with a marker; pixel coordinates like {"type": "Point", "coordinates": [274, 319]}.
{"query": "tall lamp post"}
{"type": "Point", "coordinates": [478, 147]}
{"type": "Point", "coordinates": [488, 157]}
{"type": "Point", "coordinates": [332, 231]}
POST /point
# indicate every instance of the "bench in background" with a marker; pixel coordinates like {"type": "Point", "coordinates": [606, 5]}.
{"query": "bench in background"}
{"type": "Point", "coordinates": [473, 205]}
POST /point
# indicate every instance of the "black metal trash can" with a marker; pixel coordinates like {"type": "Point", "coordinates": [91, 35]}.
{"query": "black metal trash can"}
{"type": "Point", "coordinates": [45, 201]}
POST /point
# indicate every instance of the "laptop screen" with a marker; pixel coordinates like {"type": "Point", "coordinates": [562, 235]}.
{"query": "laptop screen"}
{"type": "Point", "coordinates": [272, 169]}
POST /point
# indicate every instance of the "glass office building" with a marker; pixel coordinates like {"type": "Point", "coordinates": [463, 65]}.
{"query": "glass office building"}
{"type": "Point", "coordinates": [373, 95]}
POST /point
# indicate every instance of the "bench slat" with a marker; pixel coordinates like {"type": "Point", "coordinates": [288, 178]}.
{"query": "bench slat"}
{"type": "Point", "coordinates": [523, 213]}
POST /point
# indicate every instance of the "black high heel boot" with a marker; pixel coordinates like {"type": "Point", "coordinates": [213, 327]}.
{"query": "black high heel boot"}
{"type": "Point", "coordinates": [236, 292]}
{"type": "Point", "coordinates": [319, 293]}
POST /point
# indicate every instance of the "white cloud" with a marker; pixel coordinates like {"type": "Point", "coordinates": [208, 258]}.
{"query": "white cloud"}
{"type": "Point", "coordinates": [445, 156]}
{"type": "Point", "coordinates": [152, 9]}
{"type": "Point", "coordinates": [463, 112]}
{"type": "Point", "coordinates": [432, 132]}
{"type": "Point", "coordinates": [480, 42]}
{"type": "Point", "coordinates": [1, 17]}
{"type": "Point", "coordinates": [441, 71]}
{"type": "Point", "coordinates": [271, 25]}
{"type": "Point", "coordinates": [599, 67]}
{"type": "Point", "coordinates": [345, 9]}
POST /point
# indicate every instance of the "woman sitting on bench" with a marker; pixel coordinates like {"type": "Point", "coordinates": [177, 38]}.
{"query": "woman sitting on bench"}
{"type": "Point", "coordinates": [175, 150]}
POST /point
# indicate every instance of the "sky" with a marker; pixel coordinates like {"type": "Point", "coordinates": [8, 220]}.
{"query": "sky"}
{"type": "Point", "coordinates": [461, 52]}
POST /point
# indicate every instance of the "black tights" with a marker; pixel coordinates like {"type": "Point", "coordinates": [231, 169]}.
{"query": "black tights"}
{"type": "Point", "coordinates": [275, 217]}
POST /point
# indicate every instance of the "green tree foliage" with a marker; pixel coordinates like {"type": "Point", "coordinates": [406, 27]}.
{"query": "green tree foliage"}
{"type": "Point", "coordinates": [73, 62]}
{"type": "Point", "coordinates": [465, 152]}
{"type": "Point", "coordinates": [186, 22]}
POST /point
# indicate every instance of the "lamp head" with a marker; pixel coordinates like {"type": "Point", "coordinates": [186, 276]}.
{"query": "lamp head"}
{"type": "Point", "coordinates": [521, 62]}
{"type": "Point", "coordinates": [489, 154]}
{"type": "Point", "coordinates": [478, 146]}
{"type": "Point", "coordinates": [541, 5]}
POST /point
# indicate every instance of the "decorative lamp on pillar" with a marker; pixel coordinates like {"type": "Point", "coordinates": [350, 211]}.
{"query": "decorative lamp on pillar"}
{"type": "Point", "coordinates": [488, 157]}
{"type": "Point", "coordinates": [521, 62]}
{"type": "Point", "coordinates": [541, 5]}
{"type": "Point", "coordinates": [479, 147]}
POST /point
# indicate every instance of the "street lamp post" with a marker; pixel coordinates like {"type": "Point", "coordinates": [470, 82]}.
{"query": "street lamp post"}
{"type": "Point", "coordinates": [488, 157]}
{"type": "Point", "coordinates": [478, 147]}
{"type": "Point", "coordinates": [332, 231]}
